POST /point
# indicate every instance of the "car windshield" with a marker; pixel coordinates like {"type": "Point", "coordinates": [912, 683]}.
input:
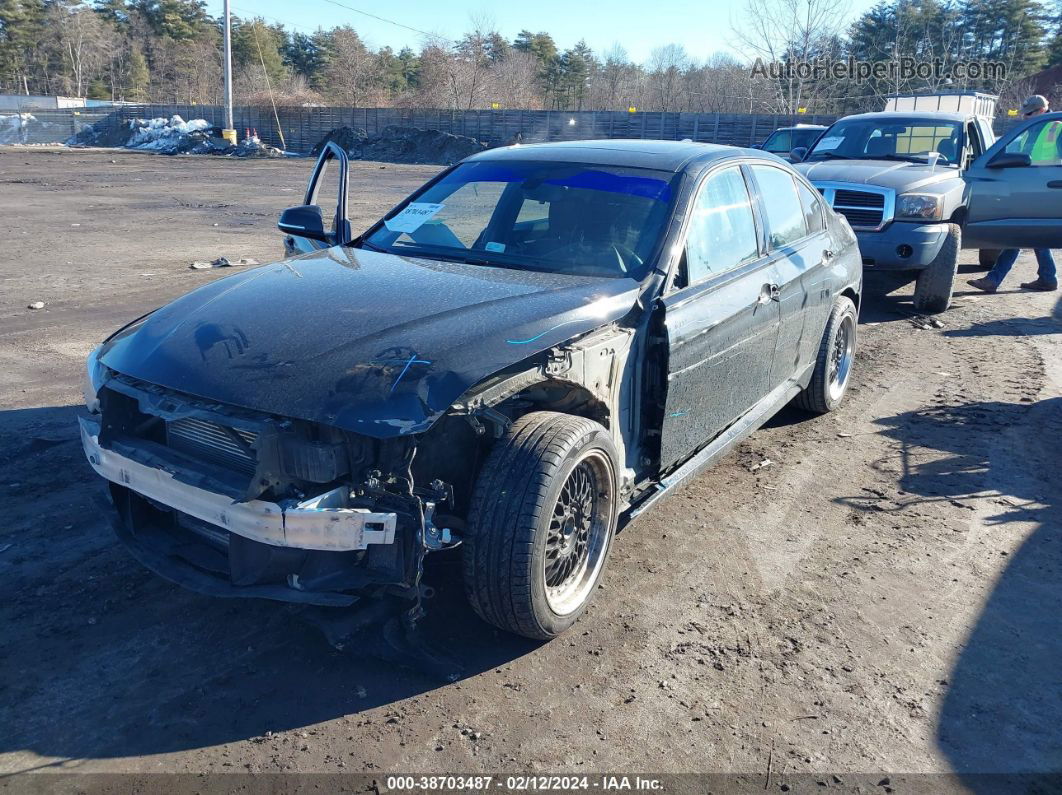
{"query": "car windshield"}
{"type": "Point", "coordinates": [890, 139]}
{"type": "Point", "coordinates": [571, 218]}
{"type": "Point", "coordinates": [782, 142]}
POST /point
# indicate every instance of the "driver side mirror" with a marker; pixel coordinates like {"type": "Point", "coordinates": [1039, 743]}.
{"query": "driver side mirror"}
{"type": "Point", "coordinates": [304, 221]}
{"type": "Point", "coordinates": [1010, 160]}
{"type": "Point", "coordinates": [798, 154]}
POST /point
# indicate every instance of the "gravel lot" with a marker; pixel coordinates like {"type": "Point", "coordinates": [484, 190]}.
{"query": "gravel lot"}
{"type": "Point", "coordinates": [884, 597]}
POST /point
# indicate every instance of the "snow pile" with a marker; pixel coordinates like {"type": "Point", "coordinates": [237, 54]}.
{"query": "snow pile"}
{"type": "Point", "coordinates": [13, 127]}
{"type": "Point", "coordinates": [172, 136]}
{"type": "Point", "coordinates": [252, 146]}
{"type": "Point", "coordinates": [168, 136]}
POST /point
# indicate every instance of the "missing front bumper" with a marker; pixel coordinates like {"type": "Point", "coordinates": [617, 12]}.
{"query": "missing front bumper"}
{"type": "Point", "coordinates": [314, 524]}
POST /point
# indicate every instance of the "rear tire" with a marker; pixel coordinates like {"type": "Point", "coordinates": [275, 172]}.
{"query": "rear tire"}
{"type": "Point", "coordinates": [935, 283]}
{"type": "Point", "coordinates": [986, 257]}
{"type": "Point", "coordinates": [833, 366]}
{"type": "Point", "coordinates": [541, 524]}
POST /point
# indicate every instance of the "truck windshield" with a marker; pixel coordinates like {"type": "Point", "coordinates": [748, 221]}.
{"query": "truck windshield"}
{"type": "Point", "coordinates": [572, 218]}
{"type": "Point", "coordinates": [782, 142]}
{"type": "Point", "coordinates": [890, 139]}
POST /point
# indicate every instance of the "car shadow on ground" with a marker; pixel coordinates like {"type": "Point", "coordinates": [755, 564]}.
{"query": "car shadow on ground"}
{"type": "Point", "coordinates": [1003, 695]}
{"type": "Point", "coordinates": [104, 659]}
{"type": "Point", "coordinates": [880, 302]}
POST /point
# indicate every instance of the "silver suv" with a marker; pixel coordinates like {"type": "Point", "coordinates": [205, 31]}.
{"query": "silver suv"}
{"type": "Point", "coordinates": [898, 179]}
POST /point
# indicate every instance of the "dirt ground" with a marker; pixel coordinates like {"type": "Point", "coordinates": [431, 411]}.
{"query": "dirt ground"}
{"type": "Point", "coordinates": [885, 596]}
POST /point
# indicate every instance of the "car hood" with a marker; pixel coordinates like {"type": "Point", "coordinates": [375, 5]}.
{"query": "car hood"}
{"type": "Point", "coordinates": [373, 343]}
{"type": "Point", "coordinates": [901, 177]}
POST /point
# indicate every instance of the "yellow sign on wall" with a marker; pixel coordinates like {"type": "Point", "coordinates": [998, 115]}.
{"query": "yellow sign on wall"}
{"type": "Point", "coordinates": [802, 110]}
{"type": "Point", "coordinates": [495, 105]}
{"type": "Point", "coordinates": [1012, 112]}
{"type": "Point", "coordinates": [632, 109]}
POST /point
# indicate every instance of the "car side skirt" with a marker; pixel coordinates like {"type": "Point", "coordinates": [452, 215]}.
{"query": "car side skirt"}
{"type": "Point", "coordinates": [722, 444]}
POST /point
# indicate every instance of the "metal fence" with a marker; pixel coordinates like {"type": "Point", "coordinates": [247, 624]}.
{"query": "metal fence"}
{"type": "Point", "coordinates": [304, 127]}
{"type": "Point", "coordinates": [49, 126]}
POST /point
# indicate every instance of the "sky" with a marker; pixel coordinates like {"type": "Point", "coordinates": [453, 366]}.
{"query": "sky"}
{"type": "Point", "coordinates": [703, 28]}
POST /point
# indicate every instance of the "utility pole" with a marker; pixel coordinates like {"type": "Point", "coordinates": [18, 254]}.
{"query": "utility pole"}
{"type": "Point", "coordinates": [229, 133]}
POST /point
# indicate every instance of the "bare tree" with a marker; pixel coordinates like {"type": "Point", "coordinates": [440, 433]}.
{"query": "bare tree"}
{"type": "Point", "coordinates": [512, 80]}
{"type": "Point", "coordinates": [350, 69]}
{"type": "Point", "coordinates": [84, 40]}
{"type": "Point", "coordinates": [667, 64]}
{"type": "Point", "coordinates": [794, 32]}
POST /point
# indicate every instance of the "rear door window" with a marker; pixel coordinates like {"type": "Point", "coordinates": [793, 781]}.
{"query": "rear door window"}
{"type": "Point", "coordinates": [785, 213]}
{"type": "Point", "coordinates": [811, 204]}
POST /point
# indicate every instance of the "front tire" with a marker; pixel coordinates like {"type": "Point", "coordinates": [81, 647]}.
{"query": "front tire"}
{"type": "Point", "coordinates": [541, 524]}
{"type": "Point", "coordinates": [833, 366]}
{"type": "Point", "coordinates": [935, 283]}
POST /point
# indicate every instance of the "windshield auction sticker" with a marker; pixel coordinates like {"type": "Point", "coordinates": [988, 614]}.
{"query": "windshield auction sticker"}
{"type": "Point", "coordinates": [412, 217]}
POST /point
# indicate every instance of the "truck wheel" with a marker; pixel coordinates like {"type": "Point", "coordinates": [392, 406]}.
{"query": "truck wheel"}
{"type": "Point", "coordinates": [833, 367]}
{"type": "Point", "coordinates": [986, 257]}
{"type": "Point", "coordinates": [934, 284]}
{"type": "Point", "coordinates": [541, 524]}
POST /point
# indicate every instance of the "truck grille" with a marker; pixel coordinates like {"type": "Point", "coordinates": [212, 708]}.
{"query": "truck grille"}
{"type": "Point", "coordinates": [857, 198]}
{"type": "Point", "coordinates": [861, 218]}
{"type": "Point", "coordinates": [864, 209]}
{"type": "Point", "coordinates": [212, 442]}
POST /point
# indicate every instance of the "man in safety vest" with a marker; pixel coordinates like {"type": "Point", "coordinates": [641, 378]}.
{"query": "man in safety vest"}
{"type": "Point", "coordinates": [1043, 149]}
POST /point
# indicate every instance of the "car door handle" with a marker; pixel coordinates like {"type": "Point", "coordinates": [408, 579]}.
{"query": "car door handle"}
{"type": "Point", "coordinates": [1055, 183]}
{"type": "Point", "coordinates": [827, 255]}
{"type": "Point", "coordinates": [768, 293]}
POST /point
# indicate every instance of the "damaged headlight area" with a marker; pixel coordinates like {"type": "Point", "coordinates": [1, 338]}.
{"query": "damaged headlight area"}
{"type": "Point", "coordinates": [95, 376]}
{"type": "Point", "coordinates": [229, 502]}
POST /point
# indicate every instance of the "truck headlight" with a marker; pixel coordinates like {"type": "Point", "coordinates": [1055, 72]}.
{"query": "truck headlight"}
{"type": "Point", "coordinates": [95, 375]}
{"type": "Point", "coordinates": [920, 206]}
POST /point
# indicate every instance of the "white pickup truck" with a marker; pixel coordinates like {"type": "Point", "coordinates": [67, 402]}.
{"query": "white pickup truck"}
{"type": "Point", "coordinates": [897, 176]}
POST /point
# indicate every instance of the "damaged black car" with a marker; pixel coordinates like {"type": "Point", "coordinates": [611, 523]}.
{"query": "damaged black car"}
{"type": "Point", "coordinates": [538, 344]}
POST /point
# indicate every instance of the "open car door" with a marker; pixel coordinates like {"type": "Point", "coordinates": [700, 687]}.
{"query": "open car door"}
{"type": "Point", "coordinates": [305, 228]}
{"type": "Point", "coordinates": [1014, 190]}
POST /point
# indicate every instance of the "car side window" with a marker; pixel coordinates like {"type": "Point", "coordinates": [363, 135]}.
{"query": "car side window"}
{"type": "Point", "coordinates": [785, 214]}
{"type": "Point", "coordinates": [812, 206]}
{"type": "Point", "coordinates": [722, 230]}
{"type": "Point", "coordinates": [1042, 143]}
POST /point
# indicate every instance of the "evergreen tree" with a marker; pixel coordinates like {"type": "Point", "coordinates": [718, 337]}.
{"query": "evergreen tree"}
{"type": "Point", "coordinates": [114, 11]}
{"type": "Point", "coordinates": [410, 66]}
{"type": "Point", "coordinates": [576, 66]}
{"type": "Point", "coordinates": [98, 89]}
{"type": "Point", "coordinates": [303, 54]}
{"type": "Point", "coordinates": [22, 27]}
{"type": "Point", "coordinates": [180, 20]}
{"type": "Point", "coordinates": [255, 44]}
{"type": "Point", "coordinates": [138, 78]}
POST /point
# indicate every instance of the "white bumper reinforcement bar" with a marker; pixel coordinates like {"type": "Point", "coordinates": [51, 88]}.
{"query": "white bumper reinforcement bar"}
{"type": "Point", "coordinates": [311, 524]}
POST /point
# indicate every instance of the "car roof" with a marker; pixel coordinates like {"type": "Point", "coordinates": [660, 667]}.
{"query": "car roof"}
{"type": "Point", "coordinates": [803, 127]}
{"type": "Point", "coordinates": [919, 115]}
{"type": "Point", "coordinates": [675, 156]}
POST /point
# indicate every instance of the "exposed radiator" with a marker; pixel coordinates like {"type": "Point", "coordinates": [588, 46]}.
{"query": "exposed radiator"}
{"type": "Point", "coordinates": [209, 441]}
